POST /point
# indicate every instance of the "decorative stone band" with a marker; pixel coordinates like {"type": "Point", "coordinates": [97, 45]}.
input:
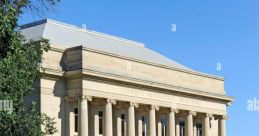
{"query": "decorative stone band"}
{"type": "Point", "coordinates": [78, 97]}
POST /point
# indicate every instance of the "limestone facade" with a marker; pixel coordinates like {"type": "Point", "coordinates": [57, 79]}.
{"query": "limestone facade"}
{"type": "Point", "coordinates": [91, 92]}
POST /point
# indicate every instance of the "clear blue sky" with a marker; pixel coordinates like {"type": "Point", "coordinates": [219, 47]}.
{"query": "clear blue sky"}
{"type": "Point", "coordinates": [207, 32]}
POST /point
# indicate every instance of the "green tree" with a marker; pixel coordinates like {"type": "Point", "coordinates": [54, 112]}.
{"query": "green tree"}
{"type": "Point", "coordinates": [19, 70]}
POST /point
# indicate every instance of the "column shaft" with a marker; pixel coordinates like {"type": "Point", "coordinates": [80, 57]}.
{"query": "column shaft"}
{"type": "Point", "coordinates": [140, 126]}
{"type": "Point", "coordinates": [96, 124]}
{"type": "Point", "coordinates": [206, 125]}
{"type": "Point", "coordinates": [190, 124]}
{"type": "Point", "coordinates": [159, 128]}
{"type": "Point", "coordinates": [83, 117]}
{"type": "Point", "coordinates": [108, 119]}
{"type": "Point", "coordinates": [152, 121]}
{"type": "Point", "coordinates": [172, 123]}
{"type": "Point", "coordinates": [194, 129]}
{"type": "Point", "coordinates": [177, 127]}
{"type": "Point", "coordinates": [119, 125]}
{"type": "Point", "coordinates": [222, 126]}
{"type": "Point", "coordinates": [131, 112]}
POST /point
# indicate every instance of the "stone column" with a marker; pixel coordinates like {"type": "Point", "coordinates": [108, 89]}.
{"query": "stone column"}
{"type": "Point", "coordinates": [177, 127]}
{"type": "Point", "coordinates": [131, 113]}
{"type": "Point", "coordinates": [207, 125]}
{"type": "Point", "coordinates": [190, 123]}
{"type": "Point", "coordinates": [152, 120]}
{"type": "Point", "coordinates": [96, 124]}
{"type": "Point", "coordinates": [194, 129]}
{"type": "Point", "coordinates": [108, 117]}
{"type": "Point", "coordinates": [118, 124]}
{"type": "Point", "coordinates": [222, 126]}
{"type": "Point", "coordinates": [139, 125]}
{"type": "Point", "coordinates": [159, 127]}
{"type": "Point", "coordinates": [171, 127]}
{"type": "Point", "coordinates": [83, 115]}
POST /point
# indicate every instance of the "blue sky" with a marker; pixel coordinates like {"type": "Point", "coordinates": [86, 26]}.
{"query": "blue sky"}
{"type": "Point", "coordinates": [207, 32]}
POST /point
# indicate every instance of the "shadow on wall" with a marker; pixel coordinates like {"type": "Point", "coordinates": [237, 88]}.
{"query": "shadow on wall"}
{"type": "Point", "coordinates": [59, 92]}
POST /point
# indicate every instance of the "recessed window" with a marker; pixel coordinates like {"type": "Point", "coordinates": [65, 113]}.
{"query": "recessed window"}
{"type": "Point", "coordinates": [164, 124]}
{"type": "Point", "coordinates": [182, 128]}
{"type": "Point", "coordinates": [100, 114]}
{"type": "Point", "coordinates": [123, 125]}
{"type": "Point", "coordinates": [198, 129]}
{"type": "Point", "coordinates": [144, 126]}
{"type": "Point", "coordinates": [76, 119]}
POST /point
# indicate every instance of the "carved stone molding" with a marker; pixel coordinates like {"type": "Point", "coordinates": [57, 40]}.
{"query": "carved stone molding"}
{"type": "Point", "coordinates": [154, 107]}
{"type": "Point", "coordinates": [112, 101]}
{"type": "Point", "coordinates": [136, 105]}
{"type": "Point", "coordinates": [209, 115]}
{"type": "Point", "coordinates": [193, 113]}
{"type": "Point", "coordinates": [87, 97]}
{"type": "Point", "coordinates": [175, 110]}
{"type": "Point", "coordinates": [224, 117]}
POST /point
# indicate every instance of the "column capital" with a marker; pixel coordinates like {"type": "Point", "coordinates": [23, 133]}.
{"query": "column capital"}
{"type": "Point", "coordinates": [175, 110]}
{"type": "Point", "coordinates": [224, 117]}
{"type": "Point", "coordinates": [193, 113]}
{"type": "Point", "coordinates": [155, 107]}
{"type": "Point", "coordinates": [87, 97]}
{"type": "Point", "coordinates": [112, 101]}
{"type": "Point", "coordinates": [136, 105]}
{"type": "Point", "coordinates": [209, 115]}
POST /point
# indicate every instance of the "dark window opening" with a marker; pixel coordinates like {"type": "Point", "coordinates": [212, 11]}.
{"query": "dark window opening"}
{"type": "Point", "coordinates": [182, 128]}
{"type": "Point", "coordinates": [76, 119]}
{"type": "Point", "coordinates": [123, 125]}
{"type": "Point", "coordinates": [100, 114]}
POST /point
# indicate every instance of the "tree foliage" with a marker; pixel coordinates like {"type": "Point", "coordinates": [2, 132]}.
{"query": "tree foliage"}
{"type": "Point", "coordinates": [18, 72]}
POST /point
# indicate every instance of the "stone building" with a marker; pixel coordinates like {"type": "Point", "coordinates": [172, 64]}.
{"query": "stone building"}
{"type": "Point", "coordinates": [96, 84]}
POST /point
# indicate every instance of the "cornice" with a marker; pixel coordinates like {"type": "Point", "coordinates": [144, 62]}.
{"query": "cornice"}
{"type": "Point", "coordinates": [53, 48]}
{"type": "Point", "coordinates": [90, 72]}
{"type": "Point", "coordinates": [157, 85]}
{"type": "Point", "coordinates": [52, 72]}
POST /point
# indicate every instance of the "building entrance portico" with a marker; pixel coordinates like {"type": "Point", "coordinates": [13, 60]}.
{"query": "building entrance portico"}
{"type": "Point", "coordinates": [111, 117]}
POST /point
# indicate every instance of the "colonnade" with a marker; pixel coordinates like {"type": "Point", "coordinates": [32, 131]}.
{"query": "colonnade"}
{"type": "Point", "coordinates": [173, 126]}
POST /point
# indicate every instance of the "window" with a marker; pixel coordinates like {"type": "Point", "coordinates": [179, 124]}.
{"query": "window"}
{"type": "Point", "coordinates": [144, 126]}
{"type": "Point", "coordinates": [76, 119]}
{"type": "Point", "coordinates": [123, 125]}
{"type": "Point", "coordinates": [100, 114]}
{"type": "Point", "coordinates": [164, 124]}
{"type": "Point", "coordinates": [182, 128]}
{"type": "Point", "coordinates": [198, 129]}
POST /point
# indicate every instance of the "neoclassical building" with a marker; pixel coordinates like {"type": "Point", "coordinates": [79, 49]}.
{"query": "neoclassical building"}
{"type": "Point", "coordinates": [95, 84]}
